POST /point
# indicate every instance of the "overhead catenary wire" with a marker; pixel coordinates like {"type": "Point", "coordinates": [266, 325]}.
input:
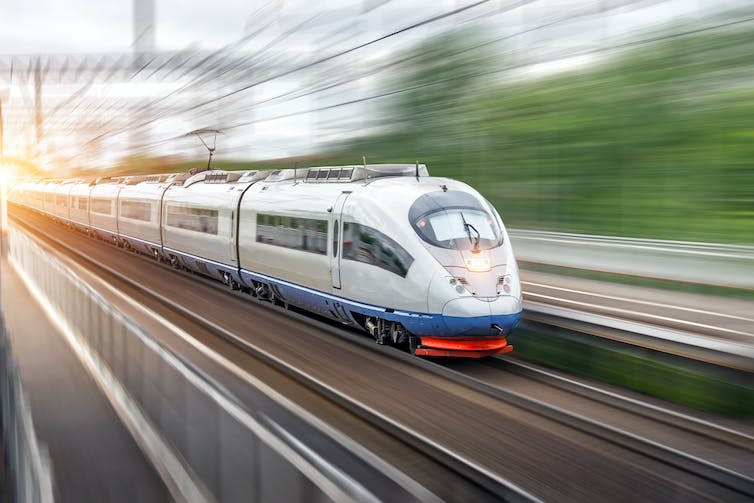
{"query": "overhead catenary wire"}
{"type": "Point", "coordinates": [304, 66]}
{"type": "Point", "coordinates": [557, 56]}
{"type": "Point", "coordinates": [507, 8]}
{"type": "Point", "coordinates": [123, 112]}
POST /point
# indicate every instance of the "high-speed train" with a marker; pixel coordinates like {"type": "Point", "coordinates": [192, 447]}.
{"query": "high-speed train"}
{"type": "Point", "coordinates": [416, 261]}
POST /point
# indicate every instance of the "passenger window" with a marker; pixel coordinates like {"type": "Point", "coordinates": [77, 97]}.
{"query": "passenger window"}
{"type": "Point", "coordinates": [305, 234]}
{"type": "Point", "coordinates": [136, 210]}
{"type": "Point", "coordinates": [102, 206]}
{"type": "Point", "coordinates": [193, 218]}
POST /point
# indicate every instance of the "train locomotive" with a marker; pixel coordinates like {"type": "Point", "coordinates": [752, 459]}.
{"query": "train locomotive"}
{"type": "Point", "coordinates": [416, 261]}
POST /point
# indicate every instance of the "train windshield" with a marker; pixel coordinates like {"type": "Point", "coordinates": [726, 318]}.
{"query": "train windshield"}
{"type": "Point", "coordinates": [454, 220]}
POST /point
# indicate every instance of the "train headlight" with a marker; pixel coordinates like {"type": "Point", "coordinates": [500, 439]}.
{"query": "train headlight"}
{"type": "Point", "coordinates": [504, 282]}
{"type": "Point", "coordinates": [478, 264]}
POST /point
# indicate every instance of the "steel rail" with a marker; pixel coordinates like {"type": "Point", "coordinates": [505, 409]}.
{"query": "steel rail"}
{"type": "Point", "coordinates": [682, 343]}
{"type": "Point", "coordinates": [643, 446]}
{"type": "Point", "coordinates": [689, 463]}
{"type": "Point", "coordinates": [467, 468]}
{"type": "Point", "coordinates": [690, 423]}
{"type": "Point", "coordinates": [630, 300]}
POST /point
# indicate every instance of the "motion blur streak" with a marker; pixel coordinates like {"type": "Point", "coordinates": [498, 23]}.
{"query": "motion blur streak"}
{"type": "Point", "coordinates": [625, 117]}
{"type": "Point", "coordinates": [614, 137]}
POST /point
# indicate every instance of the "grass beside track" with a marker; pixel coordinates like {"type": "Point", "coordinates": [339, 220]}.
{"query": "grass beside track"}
{"type": "Point", "coordinates": [699, 385]}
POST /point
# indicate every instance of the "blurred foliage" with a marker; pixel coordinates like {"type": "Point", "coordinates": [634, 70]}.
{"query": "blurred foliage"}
{"type": "Point", "coordinates": [696, 384]}
{"type": "Point", "coordinates": [655, 141]}
{"type": "Point", "coordinates": [433, 82]}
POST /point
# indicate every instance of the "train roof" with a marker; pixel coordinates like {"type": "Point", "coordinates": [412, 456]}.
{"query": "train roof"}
{"type": "Point", "coordinates": [315, 174]}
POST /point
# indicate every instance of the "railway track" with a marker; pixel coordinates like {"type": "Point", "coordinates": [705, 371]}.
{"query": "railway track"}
{"type": "Point", "coordinates": [720, 453]}
{"type": "Point", "coordinates": [708, 328]}
{"type": "Point", "coordinates": [732, 435]}
{"type": "Point", "coordinates": [651, 308]}
{"type": "Point", "coordinates": [484, 484]}
{"type": "Point", "coordinates": [493, 379]}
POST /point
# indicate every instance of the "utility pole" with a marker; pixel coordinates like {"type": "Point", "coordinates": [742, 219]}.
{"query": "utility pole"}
{"type": "Point", "coordinates": [3, 189]}
{"type": "Point", "coordinates": [143, 26]}
{"type": "Point", "coordinates": [143, 47]}
{"type": "Point", "coordinates": [38, 102]}
{"type": "Point", "coordinates": [4, 216]}
{"type": "Point", "coordinates": [2, 134]}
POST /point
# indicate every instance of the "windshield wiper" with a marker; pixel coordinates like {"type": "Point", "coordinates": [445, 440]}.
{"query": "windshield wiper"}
{"type": "Point", "coordinates": [468, 228]}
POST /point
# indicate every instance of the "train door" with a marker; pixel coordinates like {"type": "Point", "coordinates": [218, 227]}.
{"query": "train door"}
{"type": "Point", "coordinates": [233, 236]}
{"type": "Point", "coordinates": [336, 237]}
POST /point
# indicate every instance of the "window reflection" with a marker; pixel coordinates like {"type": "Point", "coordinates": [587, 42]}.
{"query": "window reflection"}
{"type": "Point", "coordinates": [370, 246]}
{"type": "Point", "coordinates": [305, 234]}
{"type": "Point", "coordinates": [102, 206]}
{"type": "Point", "coordinates": [194, 219]}
{"type": "Point", "coordinates": [136, 210]}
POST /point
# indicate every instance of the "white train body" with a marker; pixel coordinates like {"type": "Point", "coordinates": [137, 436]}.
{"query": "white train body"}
{"type": "Point", "coordinates": [103, 205]}
{"type": "Point", "coordinates": [78, 210]}
{"type": "Point", "coordinates": [408, 257]}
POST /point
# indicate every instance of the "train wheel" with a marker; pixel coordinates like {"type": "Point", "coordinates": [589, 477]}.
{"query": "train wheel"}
{"type": "Point", "coordinates": [413, 343]}
{"type": "Point", "coordinates": [232, 283]}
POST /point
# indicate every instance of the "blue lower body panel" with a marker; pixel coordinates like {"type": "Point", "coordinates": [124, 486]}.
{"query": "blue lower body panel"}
{"type": "Point", "coordinates": [203, 265]}
{"type": "Point", "coordinates": [141, 245]}
{"type": "Point", "coordinates": [419, 324]}
{"type": "Point", "coordinates": [481, 325]}
{"type": "Point", "coordinates": [104, 233]}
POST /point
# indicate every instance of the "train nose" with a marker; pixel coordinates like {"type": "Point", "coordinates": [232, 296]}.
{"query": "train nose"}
{"type": "Point", "coordinates": [480, 315]}
{"type": "Point", "coordinates": [505, 311]}
{"type": "Point", "coordinates": [467, 316]}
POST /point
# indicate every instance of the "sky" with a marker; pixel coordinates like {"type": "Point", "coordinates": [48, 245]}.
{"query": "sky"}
{"type": "Point", "coordinates": [70, 26]}
{"type": "Point", "coordinates": [92, 26]}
